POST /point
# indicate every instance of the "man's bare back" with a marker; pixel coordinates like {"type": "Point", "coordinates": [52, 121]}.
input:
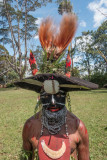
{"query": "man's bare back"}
{"type": "Point", "coordinates": [78, 136]}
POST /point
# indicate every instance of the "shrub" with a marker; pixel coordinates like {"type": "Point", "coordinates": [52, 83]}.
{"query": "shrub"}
{"type": "Point", "coordinates": [8, 85]}
{"type": "Point", "coordinates": [99, 78]}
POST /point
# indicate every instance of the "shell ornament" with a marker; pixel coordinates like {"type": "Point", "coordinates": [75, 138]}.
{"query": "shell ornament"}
{"type": "Point", "coordinates": [51, 153]}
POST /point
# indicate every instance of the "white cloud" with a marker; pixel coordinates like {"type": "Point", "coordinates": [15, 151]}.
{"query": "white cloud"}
{"type": "Point", "coordinates": [99, 7]}
{"type": "Point", "coordinates": [38, 21]}
{"type": "Point", "coordinates": [82, 23]}
{"type": "Point", "coordinates": [36, 37]}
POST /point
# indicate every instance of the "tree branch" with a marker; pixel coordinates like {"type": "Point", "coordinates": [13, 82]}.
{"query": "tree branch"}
{"type": "Point", "coordinates": [102, 55]}
{"type": "Point", "coordinates": [32, 6]}
{"type": "Point", "coordinates": [102, 13]}
{"type": "Point", "coordinates": [22, 6]}
{"type": "Point", "coordinates": [5, 72]}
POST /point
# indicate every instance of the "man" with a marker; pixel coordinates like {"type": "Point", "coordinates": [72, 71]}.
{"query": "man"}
{"type": "Point", "coordinates": [56, 120]}
{"type": "Point", "coordinates": [54, 133]}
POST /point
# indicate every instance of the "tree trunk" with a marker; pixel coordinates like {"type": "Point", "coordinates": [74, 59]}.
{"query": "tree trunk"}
{"type": "Point", "coordinates": [25, 65]}
{"type": "Point", "coordinates": [106, 67]}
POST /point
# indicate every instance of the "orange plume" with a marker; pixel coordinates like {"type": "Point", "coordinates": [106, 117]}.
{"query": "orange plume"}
{"type": "Point", "coordinates": [57, 39]}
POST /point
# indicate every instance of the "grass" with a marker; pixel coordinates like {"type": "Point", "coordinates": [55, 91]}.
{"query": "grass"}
{"type": "Point", "coordinates": [17, 105]}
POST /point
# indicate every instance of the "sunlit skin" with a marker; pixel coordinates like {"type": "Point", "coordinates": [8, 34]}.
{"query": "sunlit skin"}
{"type": "Point", "coordinates": [78, 135]}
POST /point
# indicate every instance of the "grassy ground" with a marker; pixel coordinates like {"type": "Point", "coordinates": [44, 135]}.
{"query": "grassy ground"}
{"type": "Point", "coordinates": [18, 105]}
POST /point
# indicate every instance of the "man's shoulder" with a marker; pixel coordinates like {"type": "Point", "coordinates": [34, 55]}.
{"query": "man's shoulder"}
{"type": "Point", "coordinates": [77, 124]}
{"type": "Point", "coordinates": [32, 121]}
{"type": "Point", "coordinates": [82, 130]}
{"type": "Point", "coordinates": [72, 119]}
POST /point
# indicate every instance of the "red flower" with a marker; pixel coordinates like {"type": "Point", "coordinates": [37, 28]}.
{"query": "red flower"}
{"type": "Point", "coordinates": [32, 58]}
{"type": "Point", "coordinates": [32, 62]}
{"type": "Point", "coordinates": [68, 74]}
{"type": "Point", "coordinates": [34, 71]}
{"type": "Point", "coordinates": [68, 61]}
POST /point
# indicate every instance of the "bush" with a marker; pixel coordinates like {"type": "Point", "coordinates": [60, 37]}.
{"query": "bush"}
{"type": "Point", "coordinates": [99, 78]}
{"type": "Point", "coordinates": [75, 72]}
{"type": "Point", "coordinates": [12, 75]}
{"type": "Point", "coordinates": [8, 85]}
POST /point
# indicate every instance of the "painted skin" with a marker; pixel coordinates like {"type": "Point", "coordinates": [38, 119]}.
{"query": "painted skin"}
{"type": "Point", "coordinates": [78, 135]}
{"type": "Point", "coordinates": [53, 102]}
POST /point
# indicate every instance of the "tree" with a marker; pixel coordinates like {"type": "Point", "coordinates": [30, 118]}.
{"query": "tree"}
{"type": "Point", "coordinates": [17, 25]}
{"type": "Point", "coordinates": [92, 46]}
{"type": "Point", "coordinates": [4, 68]}
{"type": "Point", "coordinates": [100, 44]}
{"type": "Point", "coordinates": [6, 72]}
{"type": "Point", "coordinates": [65, 6]}
{"type": "Point", "coordinates": [99, 78]}
{"type": "Point", "coordinates": [84, 47]}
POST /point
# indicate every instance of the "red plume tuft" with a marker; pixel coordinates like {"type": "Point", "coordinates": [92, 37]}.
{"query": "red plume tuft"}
{"type": "Point", "coordinates": [33, 64]}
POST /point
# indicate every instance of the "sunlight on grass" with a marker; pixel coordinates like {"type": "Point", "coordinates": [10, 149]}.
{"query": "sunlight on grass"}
{"type": "Point", "coordinates": [17, 105]}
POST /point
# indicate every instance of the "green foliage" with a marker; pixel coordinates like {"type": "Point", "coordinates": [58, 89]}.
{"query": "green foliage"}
{"type": "Point", "coordinates": [36, 155]}
{"type": "Point", "coordinates": [100, 37]}
{"type": "Point", "coordinates": [100, 46]}
{"type": "Point", "coordinates": [5, 69]}
{"type": "Point", "coordinates": [92, 48]}
{"type": "Point", "coordinates": [12, 75]}
{"type": "Point", "coordinates": [51, 65]}
{"type": "Point", "coordinates": [25, 155]}
{"type": "Point", "coordinates": [99, 78]}
{"type": "Point", "coordinates": [17, 25]}
{"type": "Point", "coordinates": [65, 6]}
{"type": "Point", "coordinates": [9, 77]}
{"type": "Point", "coordinates": [84, 47]}
{"type": "Point", "coordinates": [33, 66]}
{"type": "Point", "coordinates": [9, 85]}
{"type": "Point", "coordinates": [3, 61]}
{"type": "Point", "coordinates": [3, 50]}
{"type": "Point", "coordinates": [72, 158]}
{"type": "Point", "coordinates": [75, 72]}
{"type": "Point", "coordinates": [17, 12]}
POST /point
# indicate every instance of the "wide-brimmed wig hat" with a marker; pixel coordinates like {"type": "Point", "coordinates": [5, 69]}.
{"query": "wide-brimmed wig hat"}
{"type": "Point", "coordinates": [54, 40]}
{"type": "Point", "coordinates": [53, 82]}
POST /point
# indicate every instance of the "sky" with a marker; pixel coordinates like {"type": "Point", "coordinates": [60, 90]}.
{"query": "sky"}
{"type": "Point", "coordinates": [90, 13]}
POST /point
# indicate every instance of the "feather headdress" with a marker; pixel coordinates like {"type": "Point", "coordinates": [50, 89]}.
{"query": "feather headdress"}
{"type": "Point", "coordinates": [56, 39]}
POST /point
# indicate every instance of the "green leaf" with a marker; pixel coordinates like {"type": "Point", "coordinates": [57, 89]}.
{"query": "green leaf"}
{"type": "Point", "coordinates": [52, 55]}
{"type": "Point", "coordinates": [37, 106]}
{"type": "Point", "coordinates": [44, 56]}
{"type": "Point", "coordinates": [58, 60]}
